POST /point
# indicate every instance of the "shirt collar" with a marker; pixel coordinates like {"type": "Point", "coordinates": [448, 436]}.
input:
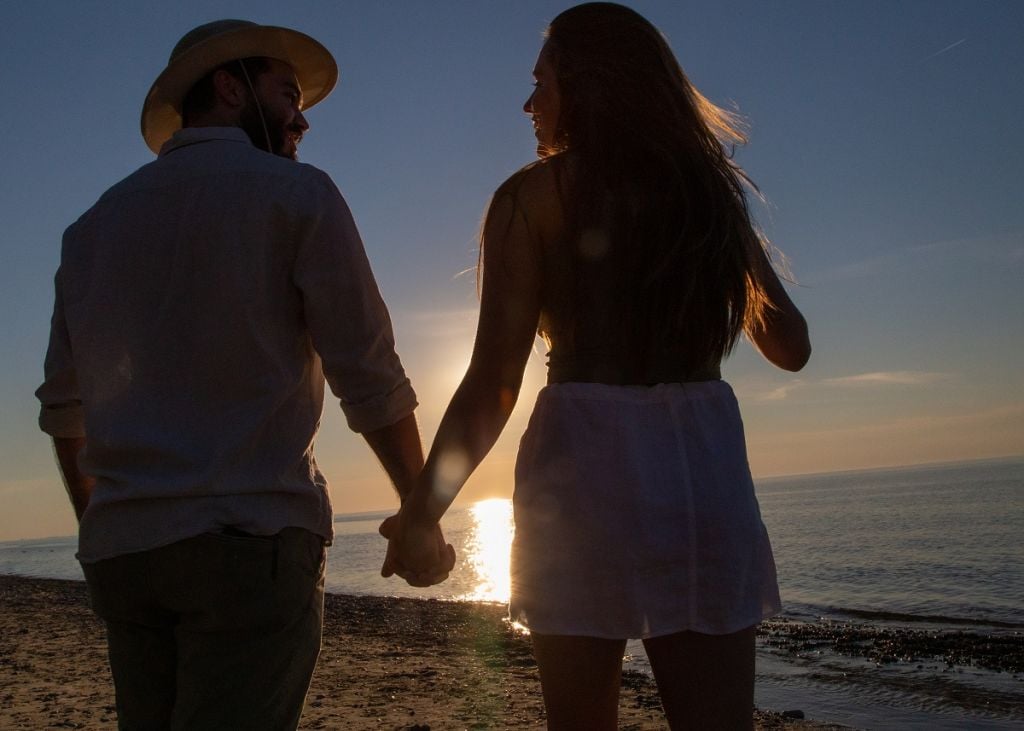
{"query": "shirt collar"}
{"type": "Point", "coordinates": [195, 135]}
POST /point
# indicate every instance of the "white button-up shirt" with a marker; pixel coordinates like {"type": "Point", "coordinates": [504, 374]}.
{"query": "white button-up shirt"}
{"type": "Point", "coordinates": [199, 305]}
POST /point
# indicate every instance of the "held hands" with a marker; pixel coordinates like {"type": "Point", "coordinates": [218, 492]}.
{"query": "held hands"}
{"type": "Point", "coordinates": [417, 554]}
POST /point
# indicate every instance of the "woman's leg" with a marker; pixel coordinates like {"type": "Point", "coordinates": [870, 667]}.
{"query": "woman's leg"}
{"type": "Point", "coordinates": [580, 678]}
{"type": "Point", "coordinates": [705, 681]}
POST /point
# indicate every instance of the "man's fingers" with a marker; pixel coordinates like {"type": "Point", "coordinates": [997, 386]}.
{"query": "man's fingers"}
{"type": "Point", "coordinates": [387, 528]}
{"type": "Point", "coordinates": [439, 572]}
{"type": "Point", "coordinates": [419, 579]}
{"type": "Point", "coordinates": [391, 564]}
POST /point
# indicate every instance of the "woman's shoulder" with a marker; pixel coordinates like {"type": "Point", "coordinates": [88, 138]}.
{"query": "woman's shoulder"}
{"type": "Point", "coordinates": [536, 189]}
{"type": "Point", "coordinates": [539, 178]}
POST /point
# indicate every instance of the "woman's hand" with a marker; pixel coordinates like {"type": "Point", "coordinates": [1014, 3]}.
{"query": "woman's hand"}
{"type": "Point", "coordinates": [417, 553]}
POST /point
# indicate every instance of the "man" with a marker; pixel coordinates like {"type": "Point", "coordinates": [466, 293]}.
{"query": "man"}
{"type": "Point", "coordinates": [199, 306]}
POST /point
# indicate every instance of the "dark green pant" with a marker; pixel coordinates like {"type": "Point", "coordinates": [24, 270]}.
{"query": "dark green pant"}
{"type": "Point", "coordinates": [213, 632]}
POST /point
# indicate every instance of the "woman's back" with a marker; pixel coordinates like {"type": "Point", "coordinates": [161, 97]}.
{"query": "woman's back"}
{"type": "Point", "coordinates": [612, 308]}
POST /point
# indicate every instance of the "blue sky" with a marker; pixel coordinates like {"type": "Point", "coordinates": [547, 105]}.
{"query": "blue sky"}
{"type": "Point", "coordinates": [885, 136]}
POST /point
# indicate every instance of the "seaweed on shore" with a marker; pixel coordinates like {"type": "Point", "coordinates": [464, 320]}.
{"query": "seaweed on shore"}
{"type": "Point", "coordinates": [997, 651]}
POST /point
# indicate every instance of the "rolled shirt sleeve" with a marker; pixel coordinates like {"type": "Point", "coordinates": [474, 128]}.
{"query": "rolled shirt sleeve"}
{"type": "Point", "coordinates": [346, 315]}
{"type": "Point", "coordinates": [61, 414]}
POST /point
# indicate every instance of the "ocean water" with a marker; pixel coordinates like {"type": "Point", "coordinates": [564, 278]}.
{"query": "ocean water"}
{"type": "Point", "coordinates": [935, 551]}
{"type": "Point", "coordinates": [940, 542]}
{"type": "Point", "coordinates": [927, 550]}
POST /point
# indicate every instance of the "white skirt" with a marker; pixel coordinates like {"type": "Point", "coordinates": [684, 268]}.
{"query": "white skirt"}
{"type": "Point", "coordinates": [636, 516]}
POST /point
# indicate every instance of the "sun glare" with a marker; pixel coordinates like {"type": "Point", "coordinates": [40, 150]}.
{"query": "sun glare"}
{"type": "Point", "coordinates": [456, 370]}
{"type": "Point", "coordinates": [488, 547]}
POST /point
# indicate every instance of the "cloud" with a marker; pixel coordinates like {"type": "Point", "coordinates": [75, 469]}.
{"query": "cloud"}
{"type": "Point", "coordinates": [774, 392]}
{"type": "Point", "coordinates": [1001, 249]}
{"type": "Point", "coordinates": [781, 392]}
{"type": "Point", "coordinates": [900, 378]}
{"type": "Point", "coordinates": [1006, 419]}
{"type": "Point", "coordinates": [867, 267]}
{"type": "Point", "coordinates": [914, 66]}
{"type": "Point", "coordinates": [947, 49]}
{"type": "Point", "coordinates": [913, 439]}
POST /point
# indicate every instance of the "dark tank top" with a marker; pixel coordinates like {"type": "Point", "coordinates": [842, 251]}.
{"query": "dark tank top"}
{"type": "Point", "coordinates": [602, 366]}
{"type": "Point", "coordinates": [604, 341]}
{"type": "Point", "coordinates": [602, 346]}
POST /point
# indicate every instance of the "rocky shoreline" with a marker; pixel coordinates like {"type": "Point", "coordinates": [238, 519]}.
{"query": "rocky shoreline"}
{"type": "Point", "coordinates": [975, 675]}
{"type": "Point", "coordinates": [386, 663]}
{"type": "Point", "coordinates": [1001, 651]}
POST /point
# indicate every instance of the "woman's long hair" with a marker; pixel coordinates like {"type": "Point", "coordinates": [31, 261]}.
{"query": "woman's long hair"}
{"type": "Point", "coordinates": [655, 211]}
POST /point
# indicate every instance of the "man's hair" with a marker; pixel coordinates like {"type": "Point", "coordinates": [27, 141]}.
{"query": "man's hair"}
{"type": "Point", "coordinates": [202, 96]}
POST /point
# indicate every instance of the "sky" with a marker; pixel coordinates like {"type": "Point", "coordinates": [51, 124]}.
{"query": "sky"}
{"type": "Point", "coordinates": [885, 137]}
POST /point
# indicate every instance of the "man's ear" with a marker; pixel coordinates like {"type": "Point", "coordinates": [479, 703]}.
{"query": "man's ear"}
{"type": "Point", "coordinates": [230, 91]}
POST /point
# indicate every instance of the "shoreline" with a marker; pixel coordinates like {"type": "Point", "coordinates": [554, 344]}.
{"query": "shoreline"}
{"type": "Point", "coordinates": [386, 663]}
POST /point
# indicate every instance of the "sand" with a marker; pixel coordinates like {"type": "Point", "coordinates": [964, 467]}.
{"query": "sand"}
{"type": "Point", "coordinates": [386, 663]}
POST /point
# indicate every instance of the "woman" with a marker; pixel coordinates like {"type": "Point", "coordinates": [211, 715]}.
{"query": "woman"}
{"type": "Point", "coordinates": [629, 247]}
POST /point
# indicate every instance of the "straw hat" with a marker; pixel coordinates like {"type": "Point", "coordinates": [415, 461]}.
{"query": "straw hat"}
{"type": "Point", "coordinates": [203, 49]}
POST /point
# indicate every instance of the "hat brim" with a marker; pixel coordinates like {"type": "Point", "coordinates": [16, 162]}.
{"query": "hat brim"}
{"type": "Point", "coordinates": [314, 67]}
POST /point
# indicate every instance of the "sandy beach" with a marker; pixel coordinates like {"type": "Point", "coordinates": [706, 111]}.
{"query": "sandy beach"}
{"type": "Point", "coordinates": [386, 663]}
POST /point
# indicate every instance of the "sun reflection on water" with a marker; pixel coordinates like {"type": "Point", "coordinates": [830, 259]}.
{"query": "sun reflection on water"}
{"type": "Point", "coordinates": [486, 550]}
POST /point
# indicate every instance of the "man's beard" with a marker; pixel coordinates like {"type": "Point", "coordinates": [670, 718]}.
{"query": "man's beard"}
{"type": "Point", "coordinates": [252, 123]}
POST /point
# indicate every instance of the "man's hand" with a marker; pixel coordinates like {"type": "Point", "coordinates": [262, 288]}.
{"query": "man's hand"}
{"type": "Point", "coordinates": [418, 555]}
{"type": "Point", "coordinates": [79, 485]}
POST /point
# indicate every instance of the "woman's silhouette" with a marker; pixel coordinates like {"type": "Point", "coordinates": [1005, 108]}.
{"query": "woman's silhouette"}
{"type": "Point", "coordinates": [629, 247]}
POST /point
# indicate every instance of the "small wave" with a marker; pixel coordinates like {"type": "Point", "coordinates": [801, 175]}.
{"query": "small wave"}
{"type": "Point", "coordinates": [882, 615]}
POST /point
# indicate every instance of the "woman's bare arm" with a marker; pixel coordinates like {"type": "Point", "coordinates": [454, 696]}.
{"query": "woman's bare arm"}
{"type": "Point", "coordinates": [509, 313]}
{"type": "Point", "coordinates": [781, 337]}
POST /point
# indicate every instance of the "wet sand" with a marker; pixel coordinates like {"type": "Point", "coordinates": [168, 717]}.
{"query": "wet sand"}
{"type": "Point", "coordinates": [897, 672]}
{"type": "Point", "coordinates": [386, 664]}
